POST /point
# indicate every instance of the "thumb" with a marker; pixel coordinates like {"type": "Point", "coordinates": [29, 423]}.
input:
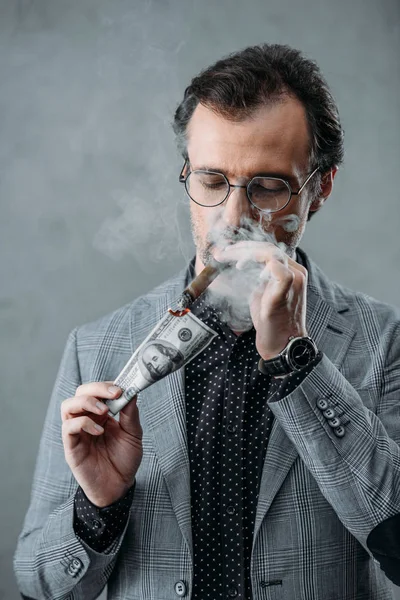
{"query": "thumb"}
{"type": "Point", "coordinates": [129, 418]}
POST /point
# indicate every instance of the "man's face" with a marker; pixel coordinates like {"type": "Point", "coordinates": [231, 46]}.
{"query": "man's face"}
{"type": "Point", "coordinates": [275, 141]}
{"type": "Point", "coordinates": [157, 361]}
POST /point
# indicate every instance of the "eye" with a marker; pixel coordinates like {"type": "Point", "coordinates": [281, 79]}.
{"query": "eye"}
{"type": "Point", "coordinates": [210, 181]}
{"type": "Point", "coordinates": [213, 183]}
{"type": "Point", "coordinates": [268, 186]}
{"type": "Point", "coordinates": [214, 186]}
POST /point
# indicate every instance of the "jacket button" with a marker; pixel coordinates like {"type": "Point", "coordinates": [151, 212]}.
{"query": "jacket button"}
{"type": "Point", "coordinates": [329, 413]}
{"type": "Point", "coordinates": [334, 422]}
{"type": "Point", "coordinates": [339, 431]}
{"type": "Point", "coordinates": [180, 588]}
{"type": "Point", "coordinates": [322, 404]}
{"type": "Point", "coordinates": [74, 567]}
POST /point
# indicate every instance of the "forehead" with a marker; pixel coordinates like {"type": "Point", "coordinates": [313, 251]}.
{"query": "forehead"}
{"type": "Point", "coordinates": [274, 138]}
{"type": "Point", "coordinates": [150, 351]}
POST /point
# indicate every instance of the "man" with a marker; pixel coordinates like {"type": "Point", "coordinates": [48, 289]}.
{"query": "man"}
{"type": "Point", "coordinates": [270, 466]}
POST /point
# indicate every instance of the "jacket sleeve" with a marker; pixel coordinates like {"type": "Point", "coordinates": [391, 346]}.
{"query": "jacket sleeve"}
{"type": "Point", "coordinates": [352, 452]}
{"type": "Point", "coordinates": [51, 562]}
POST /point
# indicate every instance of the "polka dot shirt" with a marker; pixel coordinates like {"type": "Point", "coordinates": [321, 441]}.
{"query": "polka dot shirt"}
{"type": "Point", "coordinates": [228, 426]}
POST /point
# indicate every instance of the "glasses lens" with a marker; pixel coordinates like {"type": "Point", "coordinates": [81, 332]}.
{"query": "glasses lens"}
{"type": "Point", "coordinates": [268, 193]}
{"type": "Point", "coordinates": [207, 188]}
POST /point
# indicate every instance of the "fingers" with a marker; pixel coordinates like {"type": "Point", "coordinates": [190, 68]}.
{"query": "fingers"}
{"type": "Point", "coordinates": [242, 252]}
{"type": "Point", "coordinates": [88, 399]}
{"type": "Point", "coordinates": [246, 251]}
{"type": "Point", "coordinates": [72, 407]}
{"type": "Point", "coordinates": [282, 277]}
{"type": "Point", "coordinates": [100, 389]}
{"type": "Point", "coordinates": [76, 426]}
{"type": "Point", "coordinates": [274, 276]}
{"type": "Point", "coordinates": [129, 419]}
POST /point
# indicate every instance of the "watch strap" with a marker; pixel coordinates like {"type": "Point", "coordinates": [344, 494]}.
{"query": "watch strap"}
{"type": "Point", "coordinates": [279, 365]}
{"type": "Point", "coordinates": [274, 366]}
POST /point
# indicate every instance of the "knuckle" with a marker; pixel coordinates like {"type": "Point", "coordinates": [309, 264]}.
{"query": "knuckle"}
{"type": "Point", "coordinates": [302, 274]}
{"type": "Point", "coordinates": [86, 422]}
{"type": "Point", "coordinates": [302, 279]}
{"type": "Point", "coordinates": [290, 275]}
{"type": "Point", "coordinates": [64, 407]}
{"type": "Point", "coordinates": [65, 429]}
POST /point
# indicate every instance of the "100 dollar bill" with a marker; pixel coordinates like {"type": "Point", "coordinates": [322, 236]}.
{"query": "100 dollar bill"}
{"type": "Point", "coordinates": [173, 342]}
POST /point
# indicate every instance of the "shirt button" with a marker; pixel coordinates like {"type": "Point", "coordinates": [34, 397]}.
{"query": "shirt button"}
{"type": "Point", "coordinates": [232, 592]}
{"type": "Point", "coordinates": [96, 524]}
{"type": "Point", "coordinates": [231, 428]}
{"type": "Point", "coordinates": [180, 588]}
{"type": "Point", "coordinates": [230, 510]}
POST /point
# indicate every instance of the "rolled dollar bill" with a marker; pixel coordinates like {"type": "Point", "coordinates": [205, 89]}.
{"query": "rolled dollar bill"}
{"type": "Point", "coordinates": [178, 338]}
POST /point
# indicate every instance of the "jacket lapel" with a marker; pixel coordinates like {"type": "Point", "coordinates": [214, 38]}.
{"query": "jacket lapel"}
{"type": "Point", "coordinates": [162, 407]}
{"type": "Point", "coordinates": [332, 334]}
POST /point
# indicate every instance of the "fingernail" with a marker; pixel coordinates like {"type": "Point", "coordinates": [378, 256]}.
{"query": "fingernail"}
{"type": "Point", "coordinates": [113, 389]}
{"type": "Point", "coordinates": [101, 406]}
{"type": "Point", "coordinates": [98, 427]}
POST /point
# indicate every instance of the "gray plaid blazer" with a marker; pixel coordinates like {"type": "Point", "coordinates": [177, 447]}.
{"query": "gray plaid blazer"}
{"type": "Point", "coordinates": [321, 495]}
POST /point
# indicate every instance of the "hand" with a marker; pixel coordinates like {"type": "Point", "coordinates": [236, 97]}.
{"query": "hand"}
{"type": "Point", "coordinates": [103, 461]}
{"type": "Point", "coordinates": [278, 305]}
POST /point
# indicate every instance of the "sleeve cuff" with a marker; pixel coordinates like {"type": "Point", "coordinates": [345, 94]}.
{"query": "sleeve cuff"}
{"type": "Point", "coordinates": [99, 527]}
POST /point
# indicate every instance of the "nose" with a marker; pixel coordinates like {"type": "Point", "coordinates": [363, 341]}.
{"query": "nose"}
{"type": "Point", "coordinates": [236, 206]}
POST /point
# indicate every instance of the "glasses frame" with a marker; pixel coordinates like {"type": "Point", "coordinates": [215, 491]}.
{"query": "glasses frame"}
{"type": "Point", "coordinates": [183, 179]}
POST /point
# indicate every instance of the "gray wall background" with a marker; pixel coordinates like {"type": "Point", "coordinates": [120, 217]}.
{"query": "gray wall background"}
{"type": "Point", "coordinates": [87, 158]}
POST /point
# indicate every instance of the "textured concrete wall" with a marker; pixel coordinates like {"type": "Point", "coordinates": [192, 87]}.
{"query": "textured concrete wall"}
{"type": "Point", "coordinates": [87, 93]}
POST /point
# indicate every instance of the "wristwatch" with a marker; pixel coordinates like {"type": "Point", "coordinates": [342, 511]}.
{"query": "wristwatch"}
{"type": "Point", "coordinates": [298, 354]}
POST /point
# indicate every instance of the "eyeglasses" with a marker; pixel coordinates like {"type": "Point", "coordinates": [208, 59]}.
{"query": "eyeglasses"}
{"type": "Point", "coordinates": [210, 188]}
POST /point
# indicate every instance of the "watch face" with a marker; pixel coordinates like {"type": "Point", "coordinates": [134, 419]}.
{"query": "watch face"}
{"type": "Point", "coordinates": [301, 353]}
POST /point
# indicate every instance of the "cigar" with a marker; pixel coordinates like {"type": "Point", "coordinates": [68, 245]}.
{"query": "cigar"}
{"type": "Point", "coordinates": [200, 284]}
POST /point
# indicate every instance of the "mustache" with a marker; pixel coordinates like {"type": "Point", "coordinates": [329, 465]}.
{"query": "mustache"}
{"type": "Point", "coordinates": [232, 235]}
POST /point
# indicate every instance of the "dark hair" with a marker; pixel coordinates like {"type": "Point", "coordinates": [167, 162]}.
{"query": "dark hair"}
{"type": "Point", "coordinates": [239, 83]}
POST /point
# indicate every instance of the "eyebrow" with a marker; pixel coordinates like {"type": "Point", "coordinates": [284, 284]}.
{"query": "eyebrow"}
{"type": "Point", "coordinates": [229, 175]}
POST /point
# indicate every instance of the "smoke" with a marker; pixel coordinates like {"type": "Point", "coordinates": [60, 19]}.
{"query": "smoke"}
{"type": "Point", "coordinates": [148, 228]}
{"type": "Point", "coordinates": [147, 222]}
{"type": "Point", "coordinates": [231, 292]}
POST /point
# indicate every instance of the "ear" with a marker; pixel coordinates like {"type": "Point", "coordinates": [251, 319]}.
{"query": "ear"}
{"type": "Point", "coordinates": [185, 170]}
{"type": "Point", "coordinates": [324, 191]}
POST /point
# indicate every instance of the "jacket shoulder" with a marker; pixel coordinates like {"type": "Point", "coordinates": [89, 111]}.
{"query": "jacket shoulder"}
{"type": "Point", "coordinates": [355, 305]}
{"type": "Point", "coordinates": [118, 321]}
{"type": "Point", "coordinates": [367, 307]}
